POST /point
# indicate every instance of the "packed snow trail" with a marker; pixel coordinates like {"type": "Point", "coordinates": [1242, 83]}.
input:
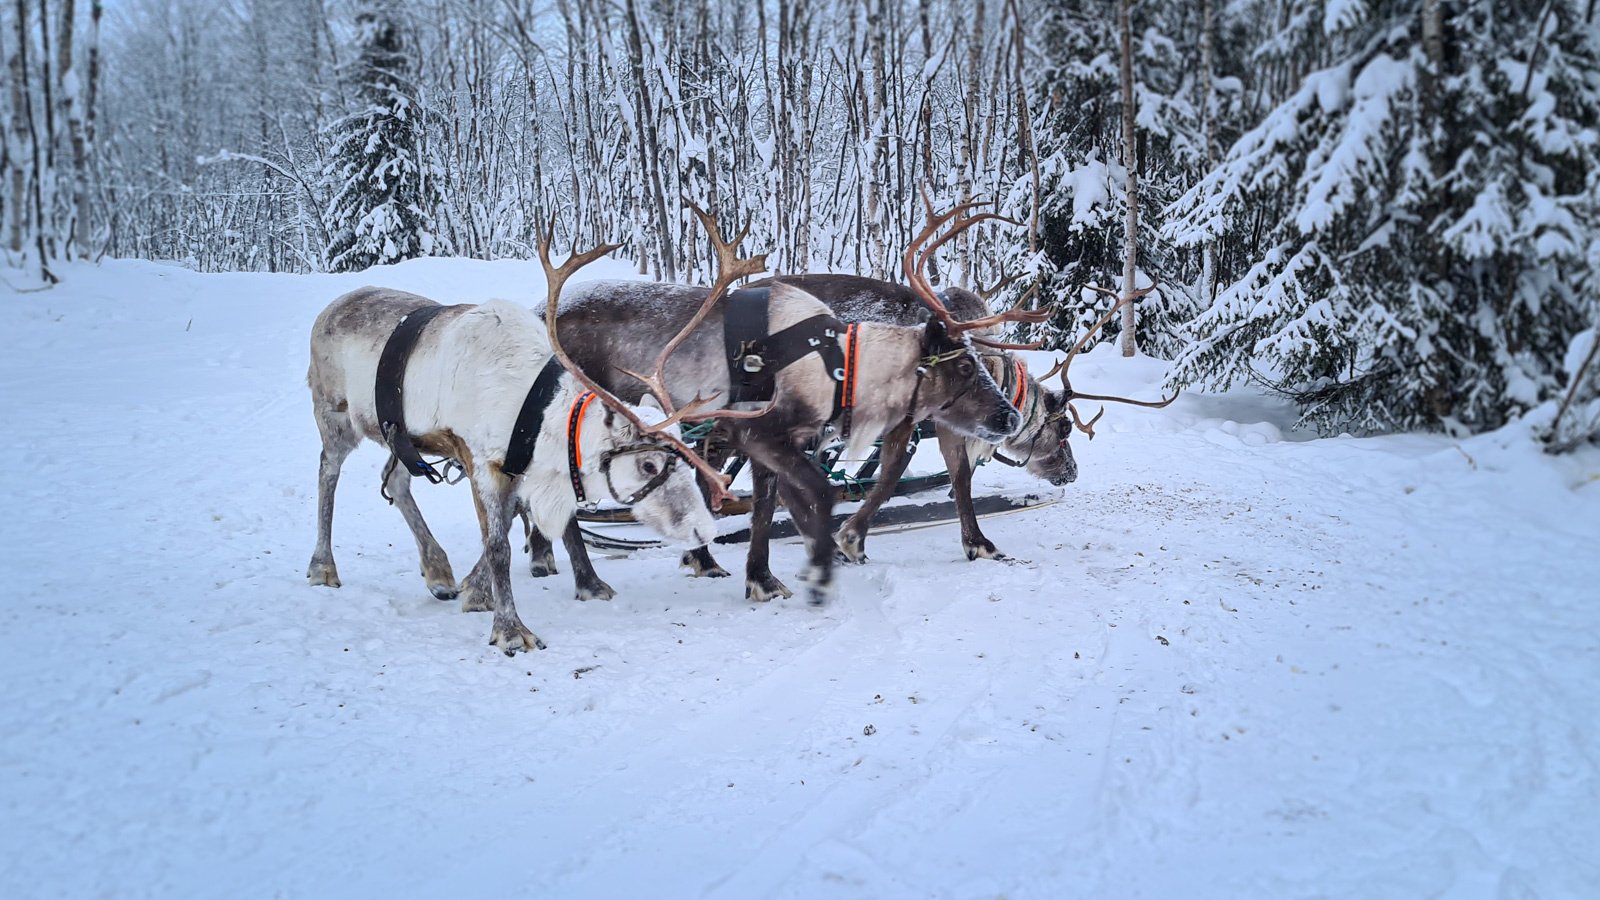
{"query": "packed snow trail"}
{"type": "Point", "coordinates": [1226, 664]}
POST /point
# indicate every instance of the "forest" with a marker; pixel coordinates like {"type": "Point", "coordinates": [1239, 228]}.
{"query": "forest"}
{"type": "Point", "coordinates": [1387, 211]}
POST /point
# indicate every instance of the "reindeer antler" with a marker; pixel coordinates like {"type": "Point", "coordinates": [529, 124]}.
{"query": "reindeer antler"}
{"type": "Point", "coordinates": [556, 277]}
{"type": "Point", "coordinates": [1001, 282]}
{"type": "Point", "coordinates": [1062, 366]}
{"type": "Point", "coordinates": [730, 268]}
{"type": "Point", "coordinates": [914, 263]}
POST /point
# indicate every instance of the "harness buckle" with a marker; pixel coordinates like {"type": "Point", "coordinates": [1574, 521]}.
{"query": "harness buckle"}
{"type": "Point", "coordinates": [752, 363]}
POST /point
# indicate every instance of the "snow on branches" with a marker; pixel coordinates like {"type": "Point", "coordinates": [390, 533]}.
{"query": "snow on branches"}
{"type": "Point", "coordinates": [1425, 220]}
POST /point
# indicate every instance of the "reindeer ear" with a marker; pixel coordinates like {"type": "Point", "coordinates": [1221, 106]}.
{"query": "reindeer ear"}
{"type": "Point", "coordinates": [936, 332]}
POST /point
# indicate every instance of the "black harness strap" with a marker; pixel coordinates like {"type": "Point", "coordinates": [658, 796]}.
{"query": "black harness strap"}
{"type": "Point", "coordinates": [755, 358]}
{"type": "Point", "coordinates": [819, 334]}
{"type": "Point", "coordinates": [744, 327]}
{"type": "Point", "coordinates": [531, 419]}
{"type": "Point", "coordinates": [388, 396]}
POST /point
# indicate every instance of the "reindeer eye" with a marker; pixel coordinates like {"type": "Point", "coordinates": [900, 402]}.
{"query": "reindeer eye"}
{"type": "Point", "coordinates": [964, 368]}
{"type": "Point", "coordinates": [649, 467]}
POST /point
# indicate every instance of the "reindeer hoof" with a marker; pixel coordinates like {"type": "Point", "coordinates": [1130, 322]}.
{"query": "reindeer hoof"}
{"type": "Point", "coordinates": [701, 564]}
{"type": "Point", "coordinates": [760, 590]}
{"type": "Point", "coordinates": [323, 574]}
{"type": "Point", "coordinates": [820, 588]}
{"type": "Point", "coordinates": [984, 550]}
{"type": "Point", "coordinates": [514, 638]}
{"type": "Point", "coordinates": [851, 547]}
{"type": "Point", "coordinates": [476, 597]}
{"type": "Point", "coordinates": [542, 567]}
{"type": "Point", "coordinates": [443, 591]}
{"type": "Point", "coordinates": [598, 590]}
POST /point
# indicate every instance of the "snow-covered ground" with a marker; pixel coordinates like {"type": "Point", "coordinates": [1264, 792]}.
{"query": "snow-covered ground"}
{"type": "Point", "coordinates": [1232, 663]}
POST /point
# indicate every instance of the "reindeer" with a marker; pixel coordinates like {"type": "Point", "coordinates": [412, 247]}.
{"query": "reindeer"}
{"type": "Point", "coordinates": [467, 378]}
{"type": "Point", "coordinates": [1040, 446]}
{"type": "Point", "coordinates": [900, 372]}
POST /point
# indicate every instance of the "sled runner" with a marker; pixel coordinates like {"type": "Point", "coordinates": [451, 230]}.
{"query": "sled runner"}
{"type": "Point", "coordinates": [890, 520]}
{"type": "Point", "coordinates": [851, 484]}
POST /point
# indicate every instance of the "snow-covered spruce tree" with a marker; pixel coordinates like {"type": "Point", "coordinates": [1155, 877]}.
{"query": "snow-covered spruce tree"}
{"type": "Point", "coordinates": [1419, 213]}
{"type": "Point", "coordinates": [384, 191]}
{"type": "Point", "coordinates": [1576, 416]}
{"type": "Point", "coordinates": [1077, 108]}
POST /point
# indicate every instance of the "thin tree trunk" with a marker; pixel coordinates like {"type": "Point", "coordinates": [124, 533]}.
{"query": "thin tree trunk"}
{"type": "Point", "coordinates": [47, 88]}
{"type": "Point", "coordinates": [877, 125]}
{"type": "Point", "coordinates": [16, 199]}
{"type": "Point", "coordinates": [33, 138]}
{"type": "Point", "coordinates": [1025, 148]}
{"type": "Point", "coordinates": [1130, 159]}
{"type": "Point", "coordinates": [644, 117]}
{"type": "Point", "coordinates": [1208, 102]}
{"type": "Point", "coordinates": [72, 114]}
{"type": "Point", "coordinates": [969, 136]}
{"type": "Point", "coordinates": [1433, 45]}
{"type": "Point", "coordinates": [88, 165]}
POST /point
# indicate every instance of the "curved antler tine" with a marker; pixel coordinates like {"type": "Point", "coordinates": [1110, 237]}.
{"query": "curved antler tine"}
{"type": "Point", "coordinates": [958, 226]}
{"type": "Point", "coordinates": [1148, 404]}
{"type": "Point", "coordinates": [1060, 364]}
{"type": "Point", "coordinates": [1117, 295]}
{"type": "Point", "coordinates": [1085, 427]}
{"type": "Point", "coordinates": [1002, 345]}
{"type": "Point", "coordinates": [1018, 313]}
{"type": "Point", "coordinates": [1083, 341]}
{"type": "Point", "coordinates": [694, 411]}
{"type": "Point", "coordinates": [556, 277]}
{"type": "Point", "coordinates": [730, 268]}
{"type": "Point", "coordinates": [1001, 282]}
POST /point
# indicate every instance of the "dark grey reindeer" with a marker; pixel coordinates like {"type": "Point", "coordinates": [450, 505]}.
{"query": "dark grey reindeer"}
{"type": "Point", "coordinates": [898, 373]}
{"type": "Point", "coordinates": [1040, 446]}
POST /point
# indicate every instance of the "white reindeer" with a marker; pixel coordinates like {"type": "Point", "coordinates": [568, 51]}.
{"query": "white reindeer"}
{"type": "Point", "coordinates": [464, 385]}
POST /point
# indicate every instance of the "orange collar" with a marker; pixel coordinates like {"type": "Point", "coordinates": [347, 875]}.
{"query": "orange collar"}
{"type": "Point", "coordinates": [847, 392]}
{"type": "Point", "coordinates": [580, 405]}
{"type": "Point", "coordinates": [1021, 397]}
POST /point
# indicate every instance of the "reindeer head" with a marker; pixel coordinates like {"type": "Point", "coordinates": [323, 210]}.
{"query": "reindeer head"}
{"type": "Point", "coordinates": [1041, 444]}
{"type": "Point", "coordinates": [955, 389]}
{"type": "Point", "coordinates": [634, 468]}
{"type": "Point", "coordinates": [953, 381]}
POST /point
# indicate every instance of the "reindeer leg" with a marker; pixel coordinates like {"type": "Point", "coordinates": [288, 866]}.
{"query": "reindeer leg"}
{"type": "Point", "coordinates": [894, 456]}
{"type": "Point", "coordinates": [699, 561]}
{"type": "Point", "coordinates": [338, 439]}
{"type": "Point", "coordinates": [435, 565]}
{"type": "Point", "coordinates": [759, 583]}
{"type": "Point", "coordinates": [541, 554]}
{"type": "Point", "coordinates": [701, 564]}
{"type": "Point", "coordinates": [477, 589]}
{"type": "Point", "coordinates": [954, 449]}
{"type": "Point", "coordinates": [508, 633]}
{"type": "Point", "coordinates": [588, 583]}
{"type": "Point", "coordinates": [808, 496]}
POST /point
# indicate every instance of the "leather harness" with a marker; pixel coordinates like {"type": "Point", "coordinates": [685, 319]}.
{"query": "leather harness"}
{"type": "Point", "coordinates": [389, 400]}
{"type": "Point", "coordinates": [755, 357]}
{"type": "Point", "coordinates": [388, 397]}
